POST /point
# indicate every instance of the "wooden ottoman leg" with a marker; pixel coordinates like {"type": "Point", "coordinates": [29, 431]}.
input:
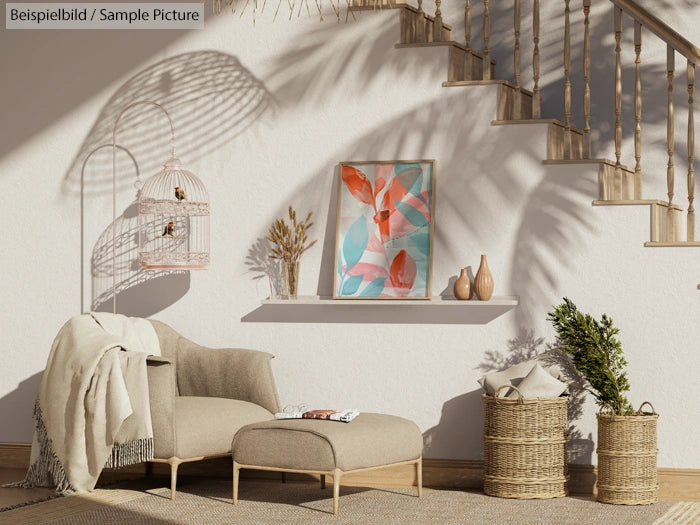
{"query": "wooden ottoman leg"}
{"type": "Point", "coordinates": [336, 489]}
{"type": "Point", "coordinates": [419, 476]}
{"type": "Point", "coordinates": [236, 472]}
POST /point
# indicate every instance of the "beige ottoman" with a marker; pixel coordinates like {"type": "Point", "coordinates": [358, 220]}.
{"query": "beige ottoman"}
{"type": "Point", "coordinates": [313, 446]}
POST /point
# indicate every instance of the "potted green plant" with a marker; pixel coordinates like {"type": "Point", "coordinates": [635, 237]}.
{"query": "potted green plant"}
{"type": "Point", "coordinates": [626, 439]}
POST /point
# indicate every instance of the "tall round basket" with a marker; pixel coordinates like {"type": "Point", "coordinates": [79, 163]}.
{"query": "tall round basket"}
{"type": "Point", "coordinates": [525, 446]}
{"type": "Point", "coordinates": [627, 454]}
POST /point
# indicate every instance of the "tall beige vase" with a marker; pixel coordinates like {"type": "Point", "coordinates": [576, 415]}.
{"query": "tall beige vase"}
{"type": "Point", "coordinates": [483, 282]}
{"type": "Point", "coordinates": [463, 286]}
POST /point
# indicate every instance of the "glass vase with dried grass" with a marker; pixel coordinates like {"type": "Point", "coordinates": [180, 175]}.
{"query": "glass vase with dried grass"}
{"type": "Point", "coordinates": [290, 241]}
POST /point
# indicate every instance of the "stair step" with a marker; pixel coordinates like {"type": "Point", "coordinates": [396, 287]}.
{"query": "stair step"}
{"type": "Point", "coordinates": [677, 244]}
{"type": "Point", "coordinates": [377, 4]}
{"type": "Point", "coordinates": [555, 137]}
{"type": "Point", "coordinates": [417, 27]}
{"type": "Point", "coordinates": [614, 188]}
{"type": "Point", "coordinates": [666, 219]}
{"type": "Point", "coordinates": [458, 83]}
{"type": "Point", "coordinates": [507, 112]}
{"type": "Point", "coordinates": [463, 62]}
{"type": "Point", "coordinates": [636, 202]}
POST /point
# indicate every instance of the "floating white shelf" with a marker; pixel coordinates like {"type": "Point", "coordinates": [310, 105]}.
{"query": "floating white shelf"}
{"type": "Point", "coordinates": [437, 301]}
{"type": "Point", "coordinates": [436, 310]}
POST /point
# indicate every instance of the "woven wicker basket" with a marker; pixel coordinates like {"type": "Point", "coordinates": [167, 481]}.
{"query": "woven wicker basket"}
{"type": "Point", "coordinates": [525, 446]}
{"type": "Point", "coordinates": [627, 457]}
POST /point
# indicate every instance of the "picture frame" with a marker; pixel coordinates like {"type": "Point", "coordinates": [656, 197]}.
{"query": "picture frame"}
{"type": "Point", "coordinates": [384, 229]}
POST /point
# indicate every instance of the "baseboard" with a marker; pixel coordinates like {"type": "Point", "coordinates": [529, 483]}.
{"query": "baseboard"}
{"type": "Point", "coordinates": [15, 455]}
{"type": "Point", "coordinates": [674, 484]}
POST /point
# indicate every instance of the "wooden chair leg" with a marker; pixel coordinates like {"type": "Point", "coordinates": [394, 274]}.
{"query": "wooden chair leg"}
{"type": "Point", "coordinates": [236, 472]}
{"type": "Point", "coordinates": [336, 489]}
{"type": "Point", "coordinates": [174, 464]}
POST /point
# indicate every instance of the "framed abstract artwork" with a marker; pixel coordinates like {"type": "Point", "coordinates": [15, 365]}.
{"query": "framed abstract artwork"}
{"type": "Point", "coordinates": [384, 230]}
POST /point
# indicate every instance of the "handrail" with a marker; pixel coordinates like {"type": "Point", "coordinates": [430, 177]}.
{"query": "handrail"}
{"type": "Point", "coordinates": [660, 29]}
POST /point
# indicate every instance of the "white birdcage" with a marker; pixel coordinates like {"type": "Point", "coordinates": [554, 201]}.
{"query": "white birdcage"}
{"type": "Point", "coordinates": [174, 220]}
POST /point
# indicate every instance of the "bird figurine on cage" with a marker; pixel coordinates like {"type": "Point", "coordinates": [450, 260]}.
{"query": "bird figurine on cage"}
{"type": "Point", "coordinates": [180, 194]}
{"type": "Point", "coordinates": [169, 229]}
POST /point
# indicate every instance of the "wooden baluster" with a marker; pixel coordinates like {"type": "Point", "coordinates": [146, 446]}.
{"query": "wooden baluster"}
{"type": "Point", "coordinates": [670, 176]}
{"type": "Point", "coordinates": [420, 23]}
{"type": "Point", "coordinates": [586, 80]}
{"type": "Point", "coordinates": [618, 104]}
{"type": "Point", "coordinates": [468, 24]}
{"type": "Point", "coordinates": [517, 97]}
{"type": "Point", "coordinates": [567, 81]}
{"type": "Point", "coordinates": [487, 35]}
{"type": "Point", "coordinates": [536, 95]}
{"type": "Point", "coordinates": [437, 23]}
{"type": "Point", "coordinates": [670, 68]}
{"type": "Point", "coordinates": [691, 153]}
{"type": "Point", "coordinates": [638, 111]}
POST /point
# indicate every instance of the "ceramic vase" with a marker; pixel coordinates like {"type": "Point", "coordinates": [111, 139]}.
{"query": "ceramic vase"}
{"type": "Point", "coordinates": [290, 279]}
{"type": "Point", "coordinates": [463, 286]}
{"type": "Point", "coordinates": [483, 282]}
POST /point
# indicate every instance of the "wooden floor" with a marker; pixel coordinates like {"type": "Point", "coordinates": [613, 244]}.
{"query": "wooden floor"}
{"type": "Point", "coordinates": [10, 497]}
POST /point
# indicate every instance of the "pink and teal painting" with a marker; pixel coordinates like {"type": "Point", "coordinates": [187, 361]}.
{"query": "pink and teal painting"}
{"type": "Point", "coordinates": [384, 233]}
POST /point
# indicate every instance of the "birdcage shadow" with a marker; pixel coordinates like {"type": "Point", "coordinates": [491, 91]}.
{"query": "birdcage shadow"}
{"type": "Point", "coordinates": [116, 273]}
{"type": "Point", "coordinates": [210, 96]}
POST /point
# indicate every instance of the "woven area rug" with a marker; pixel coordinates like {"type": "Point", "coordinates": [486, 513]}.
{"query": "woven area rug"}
{"type": "Point", "coordinates": [264, 502]}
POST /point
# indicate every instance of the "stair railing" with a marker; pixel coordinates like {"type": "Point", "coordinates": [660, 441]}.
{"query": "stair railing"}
{"type": "Point", "coordinates": [629, 184]}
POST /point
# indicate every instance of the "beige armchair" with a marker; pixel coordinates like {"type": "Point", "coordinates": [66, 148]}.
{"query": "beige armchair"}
{"type": "Point", "coordinates": [201, 396]}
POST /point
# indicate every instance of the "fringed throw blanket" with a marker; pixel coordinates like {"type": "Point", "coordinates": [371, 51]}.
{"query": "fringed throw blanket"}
{"type": "Point", "coordinates": [92, 410]}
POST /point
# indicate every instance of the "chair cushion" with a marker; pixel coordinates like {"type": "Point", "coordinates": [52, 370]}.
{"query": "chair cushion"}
{"type": "Point", "coordinates": [369, 440]}
{"type": "Point", "coordinates": [204, 425]}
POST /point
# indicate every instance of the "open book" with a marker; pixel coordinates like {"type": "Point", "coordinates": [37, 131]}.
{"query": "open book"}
{"type": "Point", "coordinates": [345, 416]}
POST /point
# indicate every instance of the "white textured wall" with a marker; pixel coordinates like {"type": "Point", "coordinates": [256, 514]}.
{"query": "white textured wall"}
{"type": "Point", "coordinates": [336, 93]}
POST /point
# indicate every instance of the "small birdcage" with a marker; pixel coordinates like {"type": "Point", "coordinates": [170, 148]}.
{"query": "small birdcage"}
{"type": "Point", "coordinates": [174, 220]}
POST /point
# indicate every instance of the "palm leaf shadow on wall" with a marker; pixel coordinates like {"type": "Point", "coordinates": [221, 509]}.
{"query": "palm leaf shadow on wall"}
{"type": "Point", "coordinates": [212, 99]}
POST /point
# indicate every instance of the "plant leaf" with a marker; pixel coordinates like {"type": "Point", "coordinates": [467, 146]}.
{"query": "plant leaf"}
{"type": "Point", "coordinates": [351, 285]}
{"type": "Point", "coordinates": [374, 288]}
{"type": "Point", "coordinates": [402, 272]}
{"type": "Point", "coordinates": [420, 240]}
{"type": "Point", "coordinates": [408, 175]}
{"type": "Point", "coordinates": [358, 185]}
{"type": "Point", "coordinates": [355, 242]}
{"type": "Point", "coordinates": [413, 215]}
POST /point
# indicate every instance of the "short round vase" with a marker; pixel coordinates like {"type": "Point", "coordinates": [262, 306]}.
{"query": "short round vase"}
{"type": "Point", "coordinates": [463, 286]}
{"type": "Point", "coordinates": [483, 282]}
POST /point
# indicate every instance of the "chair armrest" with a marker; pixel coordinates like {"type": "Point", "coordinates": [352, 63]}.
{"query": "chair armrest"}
{"type": "Point", "coordinates": [161, 394]}
{"type": "Point", "coordinates": [232, 373]}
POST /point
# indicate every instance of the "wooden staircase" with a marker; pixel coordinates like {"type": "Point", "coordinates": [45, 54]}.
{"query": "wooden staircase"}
{"type": "Point", "coordinates": [619, 185]}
